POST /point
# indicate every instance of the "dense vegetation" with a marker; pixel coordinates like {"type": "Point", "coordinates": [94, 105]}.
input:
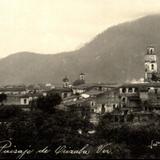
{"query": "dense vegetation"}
{"type": "Point", "coordinates": [39, 133]}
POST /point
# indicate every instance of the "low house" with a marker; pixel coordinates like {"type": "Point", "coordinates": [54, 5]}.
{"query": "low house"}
{"type": "Point", "coordinates": [129, 95]}
{"type": "Point", "coordinates": [106, 102]}
{"type": "Point", "coordinates": [81, 88]}
{"type": "Point", "coordinates": [140, 98]}
{"type": "Point", "coordinates": [142, 116]}
{"type": "Point", "coordinates": [13, 90]}
{"type": "Point", "coordinates": [63, 92]}
{"type": "Point", "coordinates": [23, 101]}
{"type": "Point", "coordinates": [17, 100]}
{"type": "Point", "coordinates": [70, 99]}
{"type": "Point", "coordinates": [95, 86]}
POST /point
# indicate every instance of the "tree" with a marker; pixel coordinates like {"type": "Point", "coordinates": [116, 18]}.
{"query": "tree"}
{"type": "Point", "coordinates": [3, 97]}
{"type": "Point", "coordinates": [48, 103]}
{"type": "Point", "coordinates": [155, 77]}
{"type": "Point", "coordinates": [8, 112]}
{"type": "Point", "coordinates": [39, 129]}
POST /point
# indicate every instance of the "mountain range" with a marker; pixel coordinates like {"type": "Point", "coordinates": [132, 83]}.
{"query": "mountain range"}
{"type": "Point", "coordinates": [115, 55]}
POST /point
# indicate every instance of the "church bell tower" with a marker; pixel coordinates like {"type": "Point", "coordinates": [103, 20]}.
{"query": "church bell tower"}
{"type": "Point", "coordinates": [65, 82]}
{"type": "Point", "coordinates": [150, 64]}
{"type": "Point", "coordinates": [82, 76]}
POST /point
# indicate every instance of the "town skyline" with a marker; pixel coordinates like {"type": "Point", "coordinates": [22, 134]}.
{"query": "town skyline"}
{"type": "Point", "coordinates": [80, 79]}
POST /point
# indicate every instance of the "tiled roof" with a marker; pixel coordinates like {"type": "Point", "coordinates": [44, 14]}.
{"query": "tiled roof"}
{"type": "Point", "coordinates": [71, 97]}
{"type": "Point", "coordinates": [79, 101]}
{"type": "Point", "coordinates": [91, 85]}
{"type": "Point", "coordinates": [25, 95]}
{"type": "Point", "coordinates": [12, 89]}
{"type": "Point", "coordinates": [152, 84]}
{"type": "Point", "coordinates": [94, 92]}
{"type": "Point", "coordinates": [31, 95]}
{"type": "Point", "coordinates": [143, 113]}
{"type": "Point", "coordinates": [60, 89]}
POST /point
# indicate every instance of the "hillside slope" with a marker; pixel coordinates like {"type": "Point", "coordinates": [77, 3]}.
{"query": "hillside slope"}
{"type": "Point", "coordinates": [116, 55]}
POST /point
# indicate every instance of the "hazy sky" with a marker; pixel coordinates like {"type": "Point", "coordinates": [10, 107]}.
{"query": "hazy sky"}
{"type": "Point", "coordinates": [51, 26]}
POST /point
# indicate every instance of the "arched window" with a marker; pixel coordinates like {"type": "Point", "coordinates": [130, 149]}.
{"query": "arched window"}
{"type": "Point", "coordinates": [92, 103]}
{"type": "Point", "coordinates": [129, 89]}
{"type": "Point", "coordinates": [152, 66]}
{"type": "Point", "coordinates": [103, 108]}
{"type": "Point", "coordinates": [156, 90]}
{"type": "Point", "coordinates": [123, 90]}
{"type": "Point", "coordinates": [65, 95]}
{"type": "Point", "coordinates": [123, 99]}
{"type": "Point", "coordinates": [25, 101]}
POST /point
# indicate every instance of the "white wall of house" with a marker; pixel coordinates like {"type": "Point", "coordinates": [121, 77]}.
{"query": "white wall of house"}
{"type": "Point", "coordinates": [85, 95]}
{"type": "Point", "coordinates": [108, 108]}
{"type": "Point", "coordinates": [78, 91]}
{"type": "Point", "coordinates": [144, 96]}
{"type": "Point", "coordinates": [13, 92]}
{"type": "Point", "coordinates": [24, 101]}
{"type": "Point", "coordinates": [97, 109]}
{"type": "Point", "coordinates": [65, 94]}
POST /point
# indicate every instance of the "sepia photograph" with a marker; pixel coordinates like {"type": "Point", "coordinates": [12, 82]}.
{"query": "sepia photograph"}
{"type": "Point", "coordinates": [79, 79]}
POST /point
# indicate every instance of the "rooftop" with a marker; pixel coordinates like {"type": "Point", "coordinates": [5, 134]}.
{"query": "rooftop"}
{"type": "Point", "coordinates": [146, 84]}
{"type": "Point", "coordinates": [5, 89]}
{"type": "Point", "coordinates": [60, 89]}
{"type": "Point", "coordinates": [94, 92]}
{"type": "Point", "coordinates": [91, 85]}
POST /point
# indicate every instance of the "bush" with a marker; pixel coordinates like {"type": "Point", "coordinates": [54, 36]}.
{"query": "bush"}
{"type": "Point", "coordinates": [48, 103]}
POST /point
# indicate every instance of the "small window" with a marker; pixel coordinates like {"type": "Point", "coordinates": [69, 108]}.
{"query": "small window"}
{"type": "Point", "coordinates": [130, 90]}
{"type": "Point", "coordinates": [156, 90]}
{"type": "Point", "coordinates": [103, 108]}
{"type": "Point", "coordinates": [136, 90]}
{"type": "Point", "coordinates": [123, 90]}
{"type": "Point", "coordinates": [123, 99]}
{"type": "Point", "coordinates": [25, 101]}
{"type": "Point", "coordinates": [152, 66]}
{"type": "Point", "coordinates": [65, 95]}
{"type": "Point", "coordinates": [116, 119]}
{"type": "Point", "coordinates": [92, 103]}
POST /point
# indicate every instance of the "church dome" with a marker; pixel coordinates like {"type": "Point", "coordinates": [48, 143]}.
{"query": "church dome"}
{"type": "Point", "coordinates": [65, 79]}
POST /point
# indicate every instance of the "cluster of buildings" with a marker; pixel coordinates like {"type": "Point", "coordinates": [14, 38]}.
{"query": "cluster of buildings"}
{"type": "Point", "coordinates": [21, 95]}
{"type": "Point", "coordinates": [124, 102]}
